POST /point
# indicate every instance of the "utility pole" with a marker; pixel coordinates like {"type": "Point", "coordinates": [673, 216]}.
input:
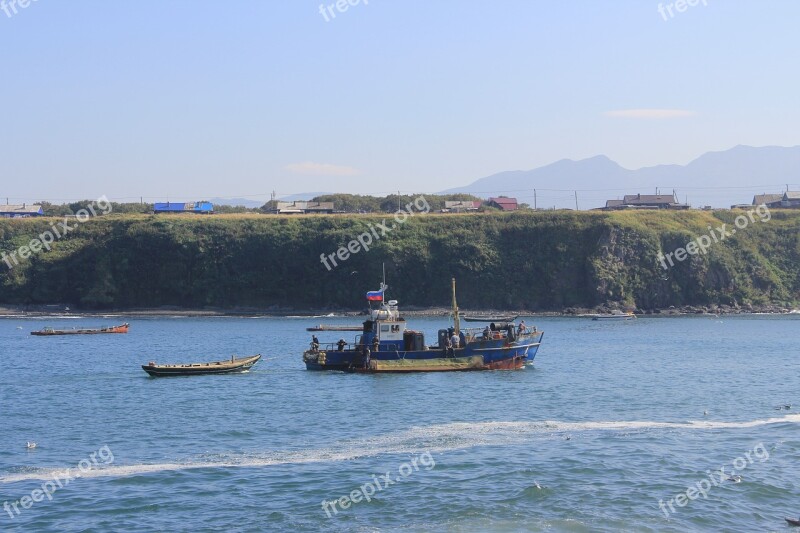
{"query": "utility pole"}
{"type": "Point", "coordinates": [534, 199]}
{"type": "Point", "coordinates": [576, 201]}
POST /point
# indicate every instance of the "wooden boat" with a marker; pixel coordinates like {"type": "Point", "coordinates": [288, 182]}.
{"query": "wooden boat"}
{"type": "Point", "coordinates": [793, 522]}
{"type": "Point", "coordinates": [488, 319]}
{"type": "Point", "coordinates": [228, 366]}
{"type": "Point", "coordinates": [46, 332]}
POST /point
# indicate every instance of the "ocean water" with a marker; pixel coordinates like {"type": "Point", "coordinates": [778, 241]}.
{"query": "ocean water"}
{"type": "Point", "coordinates": [609, 421]}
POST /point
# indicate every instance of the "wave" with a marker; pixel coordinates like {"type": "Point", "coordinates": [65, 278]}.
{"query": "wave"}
{"type": "Point", "coordinates": [434, 439]}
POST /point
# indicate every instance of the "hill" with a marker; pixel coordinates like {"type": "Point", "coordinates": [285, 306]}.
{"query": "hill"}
{"type": "Point", "coordinates": [526, 260]}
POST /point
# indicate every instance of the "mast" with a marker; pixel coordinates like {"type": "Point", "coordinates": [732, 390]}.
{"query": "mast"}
{"type": "Point", "coordinates": [456, 321]}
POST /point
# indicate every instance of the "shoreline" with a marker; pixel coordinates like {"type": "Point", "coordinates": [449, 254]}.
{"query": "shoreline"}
{"type": "Point", "coordinates": [575, 312]}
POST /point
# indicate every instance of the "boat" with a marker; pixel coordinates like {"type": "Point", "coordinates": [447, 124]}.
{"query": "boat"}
{"type": "Point", "coordinates": [387, 345]}
{"type": "Point", "coordinates": [45, 332]}
{"type": "Point", "coordinates": [793, 522]}
{"type": "Point", "coordinates": [619, 315]}
{"type": "Point", "coordinates": [488, 319]}
{"type": "Point", "coordinates": [228, 366]}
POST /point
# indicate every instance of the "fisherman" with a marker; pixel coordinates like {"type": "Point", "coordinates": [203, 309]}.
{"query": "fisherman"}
{"type": "Point", "coordinates": [522, 328]}
{"type": "Point", "coordinates": [314, 343]}
{"type": "Point", "coordinates": [341, 344]}
{"type": "Point", "coordinates": [454, 341]}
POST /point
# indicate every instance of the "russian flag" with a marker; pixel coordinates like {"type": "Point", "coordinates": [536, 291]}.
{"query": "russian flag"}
{"type": "Point", "coordinates": [373, 296]}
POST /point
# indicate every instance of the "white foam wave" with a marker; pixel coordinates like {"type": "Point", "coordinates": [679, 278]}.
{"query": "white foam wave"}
{"type": "Point", "coordinates": [435, 439]}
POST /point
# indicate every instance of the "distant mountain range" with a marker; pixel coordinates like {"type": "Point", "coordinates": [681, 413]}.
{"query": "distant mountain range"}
{"type": "Point", "coordinates": [719, 179]}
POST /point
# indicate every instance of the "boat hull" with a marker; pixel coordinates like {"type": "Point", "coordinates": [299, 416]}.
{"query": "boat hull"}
{"type": "Point", "coordinates": [123, 328]}
{"type": "Point", "coordinates": [200, 369]}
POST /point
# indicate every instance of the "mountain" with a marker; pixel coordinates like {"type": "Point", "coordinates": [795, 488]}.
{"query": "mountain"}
{"type": "Point", "coordinates": [719, 179]}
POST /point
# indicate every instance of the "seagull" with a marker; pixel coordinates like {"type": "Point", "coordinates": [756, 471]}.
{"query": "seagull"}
{"type": "Point", "coordinates": [735, 479]}
{"type": "Point", "coordinates": [30, 445]}
{"type": "Point", "coordinates": [567, 437]}
{"type": "Point", "coordinates": [787, 406]}
{"type": "Point", "coordinates": [705, 413]}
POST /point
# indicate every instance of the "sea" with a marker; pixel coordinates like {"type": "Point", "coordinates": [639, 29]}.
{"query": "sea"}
{"type": "Point", "coordinates": [654, 424]}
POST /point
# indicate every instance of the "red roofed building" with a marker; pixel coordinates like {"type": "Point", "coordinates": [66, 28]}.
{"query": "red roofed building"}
{"type": "Point", "coordinates": [503, 203]}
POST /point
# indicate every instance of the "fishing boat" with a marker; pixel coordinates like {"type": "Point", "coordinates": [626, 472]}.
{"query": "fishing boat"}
{"type": "Point", "coordinates": [46, 332]}
{"type": "Point", "coordinates": [228, 366]}
{"type": "Point", "coordinates": [387, 345]}
{"type": "Point", "coordinates": [488, 319]}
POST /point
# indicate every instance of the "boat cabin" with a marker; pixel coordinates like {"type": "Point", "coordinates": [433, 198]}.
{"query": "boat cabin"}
{"type": "Point", "coordinates": [389, 329]}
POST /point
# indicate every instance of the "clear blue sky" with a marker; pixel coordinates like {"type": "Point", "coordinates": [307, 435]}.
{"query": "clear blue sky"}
{"type": "Point", "coordinates": [194, 99]}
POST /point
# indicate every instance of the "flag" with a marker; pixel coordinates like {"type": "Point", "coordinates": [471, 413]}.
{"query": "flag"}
{"type": "Point", "coordinates": [373, 296]}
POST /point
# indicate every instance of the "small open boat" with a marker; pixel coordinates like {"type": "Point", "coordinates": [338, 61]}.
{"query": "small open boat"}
{"type": "Point", "coordinates": [614, 316]}
{"type": "Point", "coordinates": [793, 522]}
{"type": "Point", "coordinates": [228, 366]}
{"type": "Point", "coordinates": [46, 332]}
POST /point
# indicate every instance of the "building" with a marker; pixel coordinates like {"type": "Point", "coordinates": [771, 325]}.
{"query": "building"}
{"type": "Point", "coordinates": [21, 211]}
{"type": "Point", "coordinates": [503, 203]}
{"type": "Point", "coordinates": [770, 200]}
{"type": "Point", "coordinates": [201, 208]}
{"type": "Point", "coordinates": [646, 201]}
{"type": "Point", "coordinates": [304, 208]}
{"type": "Point", "coordinates": [461, 206]}
{"type": "Point", "coordinates": [789, 199]}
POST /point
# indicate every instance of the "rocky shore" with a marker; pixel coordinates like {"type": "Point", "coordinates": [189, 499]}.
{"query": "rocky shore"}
{"type": "Point", "coordinates": [275, 311]}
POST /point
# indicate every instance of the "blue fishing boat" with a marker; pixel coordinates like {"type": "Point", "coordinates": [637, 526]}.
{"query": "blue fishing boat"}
{"type": "Point", "coordinates": [387, 345]}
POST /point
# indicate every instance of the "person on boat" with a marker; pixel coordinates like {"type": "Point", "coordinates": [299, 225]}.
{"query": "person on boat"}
{"type": "Point", "coordinates": [314, 343]}
{"type": "Point", "coordinates": [376, 344]}
{"type": "Point", "coordinates": [454, 341]}
{"type": "Point", "coordinates": [522, 328]}
{"type": "Point", "coordinates": [341, 344]}
{"type": "Point", "coordinates": [487, 333]}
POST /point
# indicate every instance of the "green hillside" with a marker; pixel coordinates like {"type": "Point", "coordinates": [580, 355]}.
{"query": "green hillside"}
{"type": "Point", "coordinates": [530, 260]}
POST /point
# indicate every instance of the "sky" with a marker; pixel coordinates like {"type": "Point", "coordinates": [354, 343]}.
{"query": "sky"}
{"type": "Point", "coordinates": [185, 100]}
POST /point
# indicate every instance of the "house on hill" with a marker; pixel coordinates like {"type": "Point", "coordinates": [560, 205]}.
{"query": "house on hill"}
{"type": "Point", "coordinates": [646, 201]}
{"type": "Point", "coordinates": [461, 206]}
{"type": "Point", "coordinates": [770, 200]}
{"type": "Point", "coordinates": [789, 199]}
{"type": "Point", "coordinates": [202, 208]}
{"type": "Point", "coordinates": [503, 203]}
{"type": "Point", "coordinates": [21, 211]}
{"type": "Point", "coordinates": [304, 208]}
